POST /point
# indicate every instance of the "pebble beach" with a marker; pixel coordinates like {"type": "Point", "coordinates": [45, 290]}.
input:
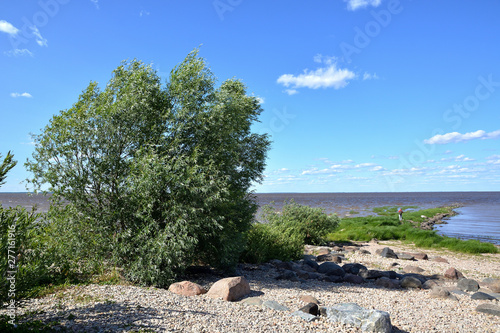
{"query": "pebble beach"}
{"type": "Point", "coordinates": [121, 308]}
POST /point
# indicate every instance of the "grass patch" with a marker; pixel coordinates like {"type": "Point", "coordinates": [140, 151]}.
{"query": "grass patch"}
{"type": "Point", "coordinates": [386, 226]}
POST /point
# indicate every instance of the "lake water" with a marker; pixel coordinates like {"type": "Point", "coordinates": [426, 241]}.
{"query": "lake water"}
{"type": "Point", "coordinates": [478, 218]}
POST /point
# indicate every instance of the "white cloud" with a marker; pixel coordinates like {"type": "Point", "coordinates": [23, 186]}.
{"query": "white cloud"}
{"type": "Point", "coordinates": [39, 39]}
{"type": "Point", "coordinates": [18, 53]}
{"type": "Point", "coordinates": [359, 4]}
{"type": "Point", "coordinates": [144, 13]}
{"type": "Point", "coordinates": [329, 60]}
{"type": "Point", "coordinates": [368, 76]}
{"type": "Point", "coordinates": [291, 91]}
{"type": "Point", "coordinates": [260, 100]}
{"type": "Point", "coordinates": [326, 77]}
{"type": "Point", "coordinates": [24, 94]}
{"type": "Point", "coordinates": [96, 3]}
{"type": "Point", "coordinates": [455, 137]}
{"type": "Point", "coordinates": [8, 28]}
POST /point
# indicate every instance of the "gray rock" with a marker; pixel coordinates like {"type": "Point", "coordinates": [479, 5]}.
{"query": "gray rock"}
{"type": "Point", "coordinates": [331, 268]}
{"type": "Point", "coordinates": [468, 285]}
{"type": "Point", "coordinates": [481, 295]}
{"type": "Point", "coordinates": [413, 269]}
{"type": "Point", "coordinates": [353, 268]}
{"type": "Point", "coordinates": [354, 279]}
{"type": "Point", "coordinates": [388, 283]}
{"type": "Point", "coordinates": [489, 309]}
{"type": "Point", "coordinates": [388, 253]}
{"type": "Point", "coordinates": [405, 256]}
{"type": "Point", "coordinates": [370, 274]}
{"type": "Point", "coordinates": [311, 308]}
{"type": "Point", "coordinates": [306, 316]}
{"type": "Point", "coordinates": [367, 319]}
{"type": "Point", "coordinates": [389, 274]}
{"type": "Point", "coordinates": [429, 284]}
{"type": "Point", "coordinates": [311, 263]}
{"type": "Point", "coordinates": [275, 306]}
{"type": "Point", "coordinates": [308, 299]}
{"type": "Point", "coordinates": [411, 282]}
{"type": "Point", "coordinates": [288, 275]}
{"type": "Point", "coordinates": [257, 301]}
{"type": "Point", "coordinates": [458, 292]}
{"type": "Point", "coordinates": [330, 257]}
{"type": "Point", "coordinates": [439, 292]}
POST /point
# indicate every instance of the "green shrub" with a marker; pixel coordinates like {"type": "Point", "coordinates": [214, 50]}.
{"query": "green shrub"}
{"type": "Point", "coordinates": [309, 224]}
{"type": "Point", "coordinates": [264, 243]}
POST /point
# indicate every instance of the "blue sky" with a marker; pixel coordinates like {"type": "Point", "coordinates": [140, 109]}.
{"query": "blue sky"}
{"type": "Point", "coordinates": [358, 95]}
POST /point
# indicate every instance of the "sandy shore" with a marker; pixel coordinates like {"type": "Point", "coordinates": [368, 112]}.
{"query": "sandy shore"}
{"type": "Point", "coordinates": [96, 308]}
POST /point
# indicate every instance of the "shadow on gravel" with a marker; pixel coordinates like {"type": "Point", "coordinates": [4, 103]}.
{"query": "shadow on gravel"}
{"type": "Point", "coordinates": [106, 317]}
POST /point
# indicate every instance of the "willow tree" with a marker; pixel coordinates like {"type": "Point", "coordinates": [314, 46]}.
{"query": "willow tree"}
{"type": "Point", "coordinates": [161, 171]}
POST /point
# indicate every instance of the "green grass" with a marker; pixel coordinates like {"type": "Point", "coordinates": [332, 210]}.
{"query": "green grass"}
{"type": "Point", "coordinates": [386, 226]}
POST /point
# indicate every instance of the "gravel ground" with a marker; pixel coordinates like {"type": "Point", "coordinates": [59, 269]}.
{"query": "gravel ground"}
{"type": "Point", "coordinates": [115, 308]}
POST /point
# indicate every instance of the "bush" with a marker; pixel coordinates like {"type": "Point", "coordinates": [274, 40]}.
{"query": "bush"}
{"type": "Point", "coordinates": [264, 243]}
{"type": "Point", "coordinates": [309, 224]}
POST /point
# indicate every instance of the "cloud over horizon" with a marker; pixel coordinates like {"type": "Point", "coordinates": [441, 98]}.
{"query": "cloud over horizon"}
{"type": "Point", "coordinates": [455, 137]}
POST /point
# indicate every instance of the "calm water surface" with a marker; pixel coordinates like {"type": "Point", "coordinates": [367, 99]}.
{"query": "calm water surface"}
{"type": "Point", "coordinates": [479, 216]}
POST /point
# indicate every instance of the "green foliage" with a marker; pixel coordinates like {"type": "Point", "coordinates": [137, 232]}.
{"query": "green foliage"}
{"type": "Point", "coordinates": [284, 233]}
{"type": "Point", "coordinates": [265, 243]}
{"type": "Point", "coordinates": [386, 226]}
{"type": "Point", "coordinates": [304, 222]}
{"type": "Point", "coordinates": [20, 266]}
{"type": "Point", "coordinates": [150, 177]}
{"type": "Point", "coordinates": [7, 164]}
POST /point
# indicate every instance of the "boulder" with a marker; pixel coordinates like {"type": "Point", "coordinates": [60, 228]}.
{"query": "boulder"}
{"type": "Point", "coordinates": [483, 296]}
{"type": "Point", "coordinates": [288, 275]}
{"type": "Point", "coordinates": [354, 279]}
{"type": "Point", "coordinates": [388, 253]}
{"type": "Point", "coordinates": [405, 256]}
{"type": "Point", "coordinates": [429, 284]}
{"type": "Point", "coordinates": [230, 289]}
{"type": "Point", "coordinates": [468, 285]}
{"type": "Point", "coordinates": [388, 283]}
{"type": "Point", "coordinates": [368, 320]}
{"type": "Point", "coordinates": [411, 282]}
{"type": "Point", "coordinates": [311, 263]}
{"type": "Point", "coordinates": [440, 259]}
{"type": "Point", "coordinates": [353, 268]}
{"type": "Point", "coordinates": [413, 269]}
{"type": "Point", "coordinates": [256, 301]}
{"type": "Point", "coordinates": [331, 268]}
{"type": "Point", "coordinates": [308, 299]}
{"type": "Point", "coordinates": [306, 316]}
{"type": "Point", "coordinates": [186, 288]}
{"type": "Point", "coordinates": [492, 284]}
{"type": "Point", "coordinates": [311, 308]}
{"type": "Point", "coordinates": [439, 292]}
{"type": "Point", "coordinates": [370, 274]}
{"type": "Point", "coordinates": [420, 256]}
{"type": "Point", "coordinates": [489, 309]}
{"type": "Point", "coordinates": [330, 257]}
{"type": "Point", "coordinates": [453, 274]}
{"type": "Point", "coordinates": [274, 306]}
{"type": "Point", "coordinates": [281, 264]}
